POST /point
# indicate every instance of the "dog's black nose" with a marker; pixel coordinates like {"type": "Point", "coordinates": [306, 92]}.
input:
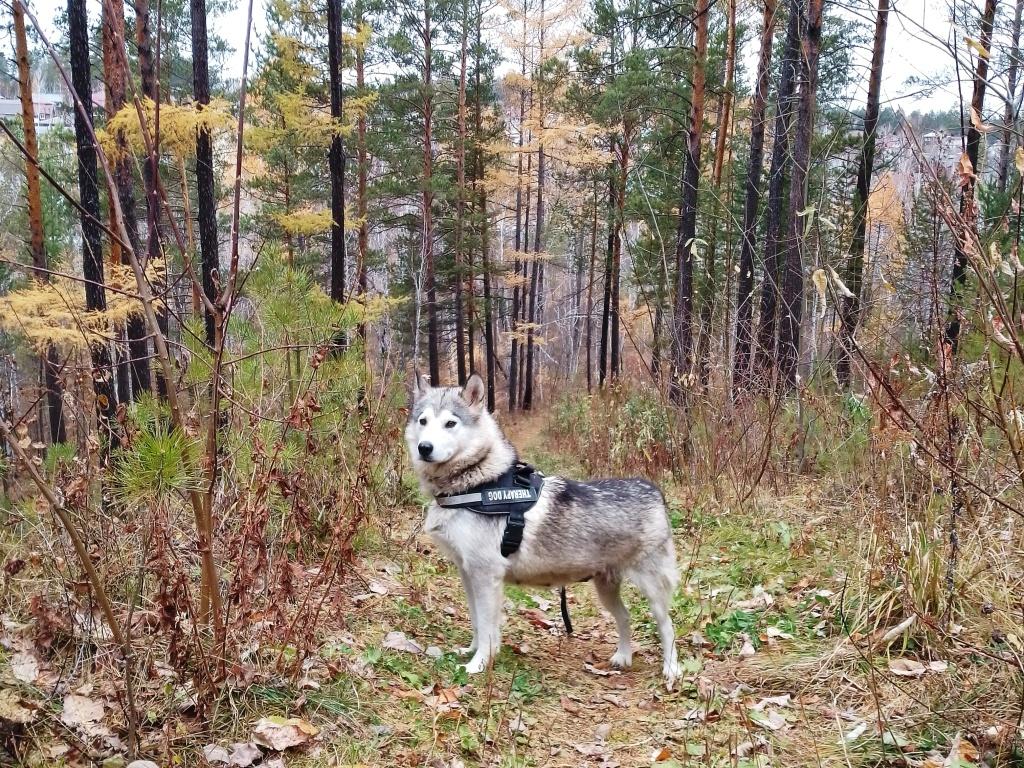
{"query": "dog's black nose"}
{"type": "Point", "coordinates": [426, 449]}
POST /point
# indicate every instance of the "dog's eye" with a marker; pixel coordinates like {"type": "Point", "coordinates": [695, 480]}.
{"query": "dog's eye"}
{"type": "Point", "coordinates": [423, 421]}
{"type": "Point", "coordinates": [449, 424]}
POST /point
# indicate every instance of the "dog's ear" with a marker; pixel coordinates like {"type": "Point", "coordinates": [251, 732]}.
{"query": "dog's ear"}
{"type": "Point", "coordinates": [418, 386]}
{"type": "Point", "coordinates": [474, 393]}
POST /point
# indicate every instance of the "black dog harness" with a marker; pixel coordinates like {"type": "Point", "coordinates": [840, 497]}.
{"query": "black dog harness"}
{"type": "Point", "coordinates": [512, 495]}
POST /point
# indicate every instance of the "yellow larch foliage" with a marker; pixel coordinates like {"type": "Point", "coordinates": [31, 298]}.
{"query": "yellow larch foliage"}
{"type": "Point", "coordinates": [178, 127]}
{"type": "Point", "coordinates": [54, 313]}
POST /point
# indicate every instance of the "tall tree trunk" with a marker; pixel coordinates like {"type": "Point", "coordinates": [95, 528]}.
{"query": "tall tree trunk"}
{"type": "Point", "coordinates": [777, 225]}
{"type": "Point", "coordinates": [752, 197]}
{"type": "Point", "coordinates": [968, 206]}
{"type": "Point", "coordinates": [687, 230]}
{"type": "Point", "coordinates": [362, 203]}
{"type": "Point", "coordinates": [115, 68]}
{"type": "Point", "coordinates": [460, 202]}
{"type": "Point", "coordinates": [150, 83]}
{"type": "Point", "coordinates": [336, 154]}
{"type": "Point", "coordinates": [517, 289]}
{"type": "Point", "coordinates": [590, 294]}
{"type": "Point", "coordinates": [524, 302]}
{"type": "Point", "coordinates": [538, 234]}
{"type": "Point", "coordinates": [89, 198]}
{"type": "Point", "coordinates": [796, 246]}
{"type": "Point", "coordinates": [433, 359]}
{"type": "Point", "coordinates": [606, 310]}
{"type": "Point", "coordinates": [850, 310]}
{"type": "Point", "coordinates": [49, 360]}
{"type": "Point", "coordinates": [206, 199]}
{"type": "Point", "coordinates": [490, 354]}
{"type": "Point", "coordinates": [615, 363]}
{"type": "Point", "coordinates": [1009, 108]}
{"type": "Point", "coordinates": [724, 122]}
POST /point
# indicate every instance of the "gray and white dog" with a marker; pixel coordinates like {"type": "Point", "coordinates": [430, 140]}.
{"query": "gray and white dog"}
{"type": "Point", "coordinates": [607, 531]}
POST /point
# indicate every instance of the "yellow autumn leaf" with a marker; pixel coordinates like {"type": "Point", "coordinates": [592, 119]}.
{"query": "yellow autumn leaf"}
{"type": "Point", "coordinates": [1018, 160]}
{"type": "Point", "coordinates": [977, 47]}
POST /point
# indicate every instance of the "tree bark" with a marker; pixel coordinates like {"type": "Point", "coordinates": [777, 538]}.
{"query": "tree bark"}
{"type": "Point", "coordinates": [538, 237]}
{"type": "Point", "coordinates": [850, 309]}
{"type": "Point", "coordinates": [1009, 108]}
{"type": "Point", "coordinates": [206, 200]}
{"type": "Point", "coordinates": [606, 310]}
{"type": "Point", "coordinates": [686, 233]}
{"type": "Point", "coordinates": [777, 225]}
{"type": "Point", "coordinates": [115, 68]}
{"type": "Point", "coordinates": [796, 246]}
{"type": "Point", "coordinates": [590, 294]}
{"type": "Point", "coordinates": [752, 198]}
{"type": "Point", "coordinates": [433, 360]}
{"type": "Point", "coordinates": [968, 205]}
{"type": "Point", "coordinates": [336, 154]}
{"type": "Point", "coordinates": [362, 203]}
{"type": "Point", "coordinates": [460, 203]}
{"type": "Point", "coordinates": [89, 198]}
{"type": "Point", "coordinates": [49, 360]}
{"type": "Point", "coordinates": [150, 83]}
{"type": "Point", "coordinates": [485, 265]}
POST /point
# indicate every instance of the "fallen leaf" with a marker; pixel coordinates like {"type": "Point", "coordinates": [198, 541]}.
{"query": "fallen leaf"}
{"type": "Point", "coordinates": [590, 749]}
{"type": "Point", "coordinates": [661, 755]}
{"type": "Point", "coordinates": [747, 650]}
{"type": "Point", "coordinates": [11, 709]}
{"type": "Point", "coordinates": [142, 764]}
{"type": "Point", "coordinates": [537, 618]}
{"type": "Point", "coordinates": [569, 705]}
{"type": "Point", "coordinates": [25, 667]}
{"type": "Point", "coordinates": [603, 731]}
{"type": "Point", "coordinates": [907, 667]}
{"type": "Point", "coordinates": [771, 720]}
{"type": "Point", "coordinates": [397, 641]}
{"type": "Point", "coordinates": [784, 700]}
{"type": "Point", "coordinates": [279, 733]}
{"type": "Point", "coordinates": [937, 666]}
{"type": "Point", "coordinates": [518, 725]}
{"type": "Point", "coordinates": [776, 633]}
{"type": "Point", "coordinates": [244, 754]}
{"type": "Point", "coordinates": [856, 732]}
{"type": "Point", "coordinates": [600, 672]}
{"type": "Point", "coordinates": [81, 710]}
{"type": "Point", "coordinates": [215, 753]}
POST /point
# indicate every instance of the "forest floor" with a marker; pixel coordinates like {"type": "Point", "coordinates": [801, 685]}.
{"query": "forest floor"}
{"type": "Point", "coordinates": [771, 677]}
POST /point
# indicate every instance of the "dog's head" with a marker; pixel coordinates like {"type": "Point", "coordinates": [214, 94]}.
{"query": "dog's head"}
{"type": "Point", "coordinates": [447, 425]}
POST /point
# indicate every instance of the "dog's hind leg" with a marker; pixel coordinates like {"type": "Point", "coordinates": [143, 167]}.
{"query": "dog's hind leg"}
{"type": "Point", "coordinates": [474, 619]}
{"type": "Point", "coordinates": [656, 579]}
{"type": "Point", "coordinates": [489, 596]}
{"type": "Point", "coordinates": [607, 588]}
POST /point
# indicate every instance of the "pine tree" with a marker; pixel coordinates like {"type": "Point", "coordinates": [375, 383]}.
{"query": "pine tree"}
{"type": "Point", "coordinates": [49, 360]}
{"type": "Point", "coordinates": [752, 197]}
{"type": "Point", "coordinates": [89, 199]}
{"type": "Point", "coordinates": [854, 272]}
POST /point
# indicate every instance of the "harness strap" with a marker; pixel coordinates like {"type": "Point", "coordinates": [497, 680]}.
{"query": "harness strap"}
{"type": "Point", "coordinates": [564, 605]}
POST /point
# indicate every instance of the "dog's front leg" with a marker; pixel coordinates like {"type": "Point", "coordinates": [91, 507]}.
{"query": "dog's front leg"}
{"type": "Point", "coordinates": [474, 619]}
{"type": "Point", "coordinates": [489, 595]}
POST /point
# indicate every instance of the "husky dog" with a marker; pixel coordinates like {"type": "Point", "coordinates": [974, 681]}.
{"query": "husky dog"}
{"type": "Point", "coordinates": [605, 530]}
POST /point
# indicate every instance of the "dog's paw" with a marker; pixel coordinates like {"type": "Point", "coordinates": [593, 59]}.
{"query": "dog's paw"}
{"type": "Point", "coordinates": [475, 666]}
{"type": "Point", "coordinates": [672, 672]}
{"type": "Point", "coordinates": [622, 659]}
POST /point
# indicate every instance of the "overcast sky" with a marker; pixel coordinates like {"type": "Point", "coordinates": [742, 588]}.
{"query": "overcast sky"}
{"type": "Point", "coordinates": [918, 30]}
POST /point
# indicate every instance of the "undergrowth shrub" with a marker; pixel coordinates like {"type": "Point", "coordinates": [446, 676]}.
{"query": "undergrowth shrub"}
{"type": "Point", "coordinates": [622, 432]}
